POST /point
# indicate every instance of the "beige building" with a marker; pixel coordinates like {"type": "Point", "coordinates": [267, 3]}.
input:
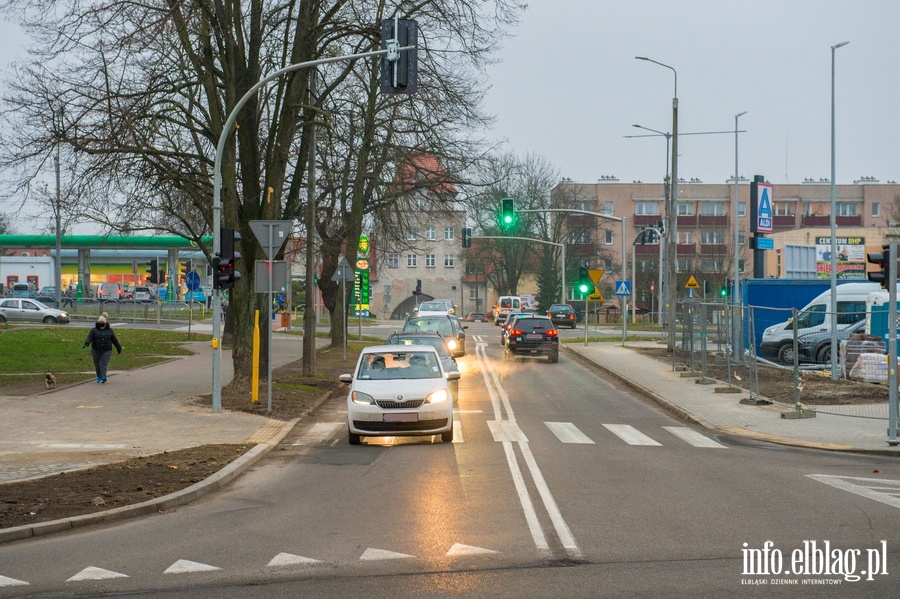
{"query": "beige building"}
{"type": "Point", "coordinates": [706, 223]}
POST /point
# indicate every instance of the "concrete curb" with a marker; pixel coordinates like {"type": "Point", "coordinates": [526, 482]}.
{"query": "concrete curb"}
{"type": "Point", "coordinates": [214, 482]}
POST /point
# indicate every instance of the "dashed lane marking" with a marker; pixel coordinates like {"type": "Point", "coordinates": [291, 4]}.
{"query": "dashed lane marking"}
{"type": "Point", "coordinates": [6, 581]}
{"type": "Point", "coordinates": [289, 559]}
{"type": "Point", "coordinates": [95, 573]}
{"type": "Point", "coordinates": [460, 550]}
{"type": "Point", "coordinates": [371, 554]}
{"type": "Point", "coordinates": [184, 566]}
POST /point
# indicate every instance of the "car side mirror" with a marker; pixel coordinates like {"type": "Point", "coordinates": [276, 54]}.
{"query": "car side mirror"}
{"type": "Point", "coordinates": [465, 326]}
{"type": "Point", "coordinates": [346, 378]}
{"type": "Point", "coordinates": [453, 375]}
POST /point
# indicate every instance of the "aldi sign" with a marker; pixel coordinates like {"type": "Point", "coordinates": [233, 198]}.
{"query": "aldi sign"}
{"type": "Point", "coordinates": [761, 206]}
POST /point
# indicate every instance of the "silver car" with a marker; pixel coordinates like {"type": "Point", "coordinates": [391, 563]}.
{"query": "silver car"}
{"type": "Point", "coordinates": [29, 310]}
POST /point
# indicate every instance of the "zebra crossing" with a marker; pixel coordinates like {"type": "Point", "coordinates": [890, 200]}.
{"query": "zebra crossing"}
{"type": "Point", "coordinates": [566, 432]}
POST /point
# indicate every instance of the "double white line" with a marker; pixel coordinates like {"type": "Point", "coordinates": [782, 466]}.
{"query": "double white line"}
{"type": "Point", "coordinates": [508, 433]}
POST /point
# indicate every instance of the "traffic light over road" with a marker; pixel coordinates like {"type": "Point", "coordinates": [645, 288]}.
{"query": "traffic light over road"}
{"type": "Point", "coordinates": [507, 213]}
{"type": "Point", "coordinates": [399, 70]}
{"type": "Point", "coordinates": [466, 237]}
{"type": "Point", "coordinates": [883, 260]}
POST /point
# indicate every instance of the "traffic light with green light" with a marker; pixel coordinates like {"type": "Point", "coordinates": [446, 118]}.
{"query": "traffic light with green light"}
{"type": "Point", "coordinates": [507, 212]}
{"type": "Point", "coordinates": [723, 292]}
{"type": "Point", "coordinates": [585, 284]}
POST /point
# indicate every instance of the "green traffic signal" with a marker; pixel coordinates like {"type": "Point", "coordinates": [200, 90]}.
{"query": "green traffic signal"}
{"type": "Point", "coordinates": [723, 292]}
{"type": "Point", "coordinates": [507, 212]}
{"type": "Point", "coordinates": [585, 284]}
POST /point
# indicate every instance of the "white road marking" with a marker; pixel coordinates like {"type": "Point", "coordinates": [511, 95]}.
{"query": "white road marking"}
{"type": "Point", "coordinates": [568, 433]}
{"type": "Point", "coordinates": [83, 445]}
{"type": "Point", "coordinates": [319, 433]}
{"type": "Point", "coordinates": [694, 438]}
{"type": "Point", "coordinates": [879, 489]}
{"type": "Point", "coordinates": [184, 566]}
{"type": "Point", "coordinates": [458, 432]}
{"type": "Point", "coordinates": [380, 554]}
{"type": "Point", "coordinates": [94, 573]}
{"type": "Point", "coordinates": [630, 435]}
{"type": "Point", "coordinates": [468, 411]}
{"type": "Point", "coordinates": [289, 559]}
{"type": "Point", "coordinates": [6, 581]}
{"type": "Point", "coordinates": [534, 525]}
{"type": "Point", "coordinates": [504, 430]}
{"type": "Point", "coordinates": [459, 550]}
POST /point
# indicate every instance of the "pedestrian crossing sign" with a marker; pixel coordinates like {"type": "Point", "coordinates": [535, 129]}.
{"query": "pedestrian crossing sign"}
{"type": "Point", "coordinates": [623, 288]}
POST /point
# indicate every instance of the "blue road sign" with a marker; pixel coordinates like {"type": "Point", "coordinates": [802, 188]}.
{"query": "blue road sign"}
{"type": "Point", "coordinates": [623, 288]}
{"type": "Point", "coordinates": [192, 280]}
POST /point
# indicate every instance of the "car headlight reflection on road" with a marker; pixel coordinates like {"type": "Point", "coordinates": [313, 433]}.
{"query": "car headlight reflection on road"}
{"type": "Point", "coordinates": [362, 398]}
{"type": "Point", "coordinates": [438, 396]}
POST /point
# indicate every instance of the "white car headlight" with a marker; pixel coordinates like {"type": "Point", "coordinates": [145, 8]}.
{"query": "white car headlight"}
{"type": "Point", "coordinates": [452, 344]}
{"type": "Point", "coordinates": [768, 332]}
{"type": "Point", "coordinates": [438, 396]}
{"type": "Point", "coordinates": [361, 398]}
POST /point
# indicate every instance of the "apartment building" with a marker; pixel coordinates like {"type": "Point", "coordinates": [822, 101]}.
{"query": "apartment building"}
{"type": "Point", "coordinates": [705, 229]}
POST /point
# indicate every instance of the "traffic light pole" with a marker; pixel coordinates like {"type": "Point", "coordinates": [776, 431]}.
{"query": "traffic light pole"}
{"type": "Point", "coordinates": [620, 220]}
{"type": "Point", "coordinates": [562, 259]}
{"type": "Point", "coordinates": [892, 345]}
{"type": "Point", "coordinates": [217, 201]}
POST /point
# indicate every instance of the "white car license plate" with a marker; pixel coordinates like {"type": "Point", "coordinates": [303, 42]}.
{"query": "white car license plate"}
{"type": "Point", "coordinates": [534, 337]}
{"type": "Point", "coordinates": [401, 417]}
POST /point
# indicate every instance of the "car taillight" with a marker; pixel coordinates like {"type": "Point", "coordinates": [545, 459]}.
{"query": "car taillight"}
{"type": "Point", "coordinates": [552, 333]}
{"type": "Point", "coordinates": [515, 332]}
{"type": "Point", "coordinates": [571, 317]}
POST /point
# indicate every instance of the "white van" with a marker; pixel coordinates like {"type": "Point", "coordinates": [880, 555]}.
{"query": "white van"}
{"type": "Point", "coordinates": [505, 305]}
{"type": "Point", "coordinates": [778, 340]}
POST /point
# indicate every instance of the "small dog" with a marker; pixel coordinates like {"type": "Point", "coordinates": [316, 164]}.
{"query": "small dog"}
{"type": "Point", "coordinates": [50, 380]}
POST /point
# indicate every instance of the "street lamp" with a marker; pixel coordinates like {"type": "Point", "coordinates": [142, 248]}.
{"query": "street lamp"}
{"type": "Point", "coordinates": [671, 291]}
{"type": "Point", "coordinates": [834, 352]}
{"type": "Point", "coordinates": [736, 332]}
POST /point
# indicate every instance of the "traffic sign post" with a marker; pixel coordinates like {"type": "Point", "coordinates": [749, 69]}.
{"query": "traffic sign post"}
{"type": "Point", "coordinates": [344, 274]}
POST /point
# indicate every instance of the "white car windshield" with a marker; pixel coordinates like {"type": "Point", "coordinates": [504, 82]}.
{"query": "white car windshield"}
{"type": "Point", "coordinates": [432, 307]}
{"type": "Point", "coordinates": [399, 365]}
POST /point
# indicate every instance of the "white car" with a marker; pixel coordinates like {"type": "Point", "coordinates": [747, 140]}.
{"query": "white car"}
{"type": "Point", "coordinates": [399, 390]}
{"type": "Point", "coordinates": [434, 308]}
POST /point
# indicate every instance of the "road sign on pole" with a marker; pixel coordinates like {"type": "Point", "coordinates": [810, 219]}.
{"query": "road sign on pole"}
{"type": "Point", "coordinates": [623, 288]}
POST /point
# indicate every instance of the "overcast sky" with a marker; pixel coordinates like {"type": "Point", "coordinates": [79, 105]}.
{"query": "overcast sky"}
{"type": "Point", "coordinates": [568, 87]}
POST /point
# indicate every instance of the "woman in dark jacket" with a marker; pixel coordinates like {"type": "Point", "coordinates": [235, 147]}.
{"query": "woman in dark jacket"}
{"type": "Point", "coordinates": [101, 338]}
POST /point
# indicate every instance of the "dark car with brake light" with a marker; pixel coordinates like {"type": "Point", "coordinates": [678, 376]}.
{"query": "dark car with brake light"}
{"type": "Point", "coordinates": [532, 336]}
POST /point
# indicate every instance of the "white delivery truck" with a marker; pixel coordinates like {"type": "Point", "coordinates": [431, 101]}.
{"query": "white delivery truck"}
{"type": "Point", "coordinates": [778, 340]}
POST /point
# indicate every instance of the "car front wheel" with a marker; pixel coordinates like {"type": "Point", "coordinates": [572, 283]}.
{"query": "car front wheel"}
{"type": "Point", "coordinates": [353, 438]}
{"type": "Point", "coordinates": [49, 320]}
{"type": "Point", "coordinates": [786, 353]}
{"type": "Point", "coordinates": [824, 354]}
{"type": "Point", "coordinates": [447, 436]}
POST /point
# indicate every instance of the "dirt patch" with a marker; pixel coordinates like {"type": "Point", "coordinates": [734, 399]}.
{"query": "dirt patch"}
{"type": "Point", "coordinates": [816, 388]}
{"type": "Point", "coordinates": [140, 479]}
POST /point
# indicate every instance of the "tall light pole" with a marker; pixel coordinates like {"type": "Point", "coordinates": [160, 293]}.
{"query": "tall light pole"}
{"type": "Point", "coordinates": [672, 292]}
{"type": "Point", "coordinates": [834, 346]}
{"type": "Point", "coordinates": [736, 331]}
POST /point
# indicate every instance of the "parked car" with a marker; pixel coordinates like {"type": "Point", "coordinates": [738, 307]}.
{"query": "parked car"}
{"type": "Point", "coordinates": [24, 290]}
{"type": "Point", "coordinates": [109, 292]}
{"type": "Point", "coordinates": [532, 336]}
{"type": "Point", "coordinates": [399, 390]}
{"type": "Point", "coordinates": [198, 296]}
{"type": "Point", "coordinates": [448, 326]}
{"type": "Point", "coordinates": [816, 347]}
{"type": "Point", "coordinates": [142, 294]}
{"type": "Point", "coordinates": [435, 340]}
{"type": "Point", "coordinates": [30, 310]}
{"type": "Point", "coordinates": [476, 317]}
{"type": "Point", "coordinates": [562, 315]}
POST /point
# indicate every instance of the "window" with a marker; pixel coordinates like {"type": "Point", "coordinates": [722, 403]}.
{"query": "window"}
{"type": "Point", "coordinates": [742, 237]}
{"type": "Point", "coordinates": [851, 312]}
{"type": "Point", "coordinates": [712, 238]}
{"type": "Point", "coordinates": [784, 209]}
{"type": "Point", "coordinates": [683, 265]}
{"type": "Point", "coordinates": [431, 233]}
{"type": "Point", "coordinates": [393, 260]}
{"type": "Point", "coordinates": [585, 205]}
{"type": "Point", "coordinates": [686, 237]}
{"type": "Point", "coordinates": [411, 234]}
{"type": "Point", "coordinates": [449, 233]}
{"type": "Point", "coordinates": [608, 208]}
{"type": "Point", "coordinates": [846, 208]}
{"type": "Point", "coordinates": [876, 209]}
{"type": "Point", "coordinates": [708, 265]}
{"type": "Point", "coordinates": [412, 260]}
{"type": "Point", "coordinates": [647, 208]}
{"type": "Point", "coordinates": [580, 236]}
{"type": "Point", "coordinates": [608, 237]}
{"type": "Point", "coordinates": [741, 264]}
{"type": "Point", "coordinates": [429, 260]}
{"type": "Point", "coordinates": [685, 209]}
{"type": "Point", "coordinates": [742, 208]}
{"type": "Point", "coordinates": [712, 209]}
{"type": "Point", "coordinates": [449, 260]}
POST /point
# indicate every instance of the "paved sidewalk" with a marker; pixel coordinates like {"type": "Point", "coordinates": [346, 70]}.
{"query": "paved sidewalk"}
{"type": "Point", "coordinates": [138, 412]}
{"type": "Point", "coordinates": [847, 428]}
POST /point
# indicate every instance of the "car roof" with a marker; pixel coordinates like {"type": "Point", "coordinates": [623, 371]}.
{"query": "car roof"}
{"type": "Point", "coordinates": [416, 334]}
{"type": "Point", "coordinates": [388, 349]}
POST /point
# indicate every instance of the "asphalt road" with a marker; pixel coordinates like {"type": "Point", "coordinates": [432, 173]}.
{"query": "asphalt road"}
{"type": "Point", "coordinates": [558, 484]}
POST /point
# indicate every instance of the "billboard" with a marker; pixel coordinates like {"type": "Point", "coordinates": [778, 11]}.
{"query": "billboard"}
{"type": "Point", "coordinates": [850, 257]}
